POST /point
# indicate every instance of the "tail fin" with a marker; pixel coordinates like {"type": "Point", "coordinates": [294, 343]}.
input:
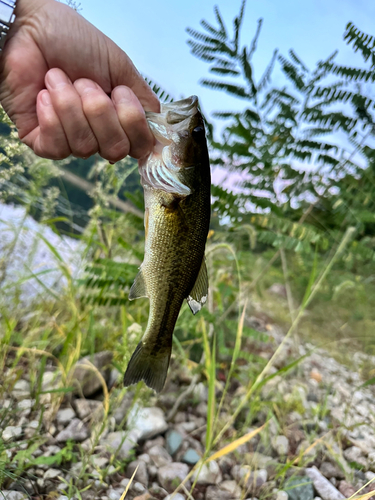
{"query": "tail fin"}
{"type": "Point", "coordinates": [152, 369]}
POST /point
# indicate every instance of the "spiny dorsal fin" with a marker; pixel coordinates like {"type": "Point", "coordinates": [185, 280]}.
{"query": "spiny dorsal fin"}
{"type": "Point", "coordinates": [138, 288]}
{"type": "Point", "coordinates": [199, 292]}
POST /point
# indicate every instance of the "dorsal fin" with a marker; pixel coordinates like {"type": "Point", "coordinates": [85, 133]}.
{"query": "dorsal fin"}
{"type": "Point", "coordinates": [138, 288]}
{"type": "Point", "coordinates": [199, 292]}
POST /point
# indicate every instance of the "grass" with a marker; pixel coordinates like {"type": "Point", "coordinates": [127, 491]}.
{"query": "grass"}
{"type": "Point", "coordinates": [62, 325]}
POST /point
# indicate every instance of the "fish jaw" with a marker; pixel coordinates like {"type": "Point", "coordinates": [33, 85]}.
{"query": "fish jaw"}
{"type": "Point", "coordinates": [167, 167]}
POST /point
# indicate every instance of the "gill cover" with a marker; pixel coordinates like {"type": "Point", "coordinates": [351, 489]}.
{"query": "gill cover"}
{"type": "Point", "coordinates": [159, 170]}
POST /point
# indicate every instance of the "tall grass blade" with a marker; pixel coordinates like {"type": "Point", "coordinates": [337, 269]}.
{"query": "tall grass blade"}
{"type": "Point", "coordinates": [371, 381]}
{"type": "Point", "coordinates": [311, 278]}
{"type": "Point", "coordinates": [129, 484]}
{"type": "Point", "coordinates": [235, 444]}
{"type": "Point", "coordinates": [236, 352]}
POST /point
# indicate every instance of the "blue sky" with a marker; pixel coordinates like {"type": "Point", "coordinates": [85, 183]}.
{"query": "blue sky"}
{"type": "Point", "coordinates": [153, 34]}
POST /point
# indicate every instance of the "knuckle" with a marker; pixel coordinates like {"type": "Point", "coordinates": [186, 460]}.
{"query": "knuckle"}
{"type": "Point", "coordinates": [49, 154]}
{"type": "Point", "coordinates": [64, 102]}
{"type": "Point", "coordinates": [85, 147]}
{"type": "Point", "coordinates": [116, 151]}
{"type": "Point", "coordinates": [95, 106]}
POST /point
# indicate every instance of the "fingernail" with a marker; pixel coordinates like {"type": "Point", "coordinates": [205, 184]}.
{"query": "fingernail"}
{"type": "Point", "coordinates": [122, 94]}
{"type": "Point", "coordinates": [57, 78]}
{"type": "Point", "coordinates": [46, 98]}
{"type": "Point", "coordinates": [83, 86]}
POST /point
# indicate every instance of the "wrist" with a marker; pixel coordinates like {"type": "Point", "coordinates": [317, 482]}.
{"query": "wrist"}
{"type": "Point", "coordinates": [7, 17]}
{"type": "Point", "coordinates": [26, 8]}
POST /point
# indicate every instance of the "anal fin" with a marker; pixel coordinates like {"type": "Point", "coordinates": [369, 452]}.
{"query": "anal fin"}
{"type": "Point", "coordinates": [138, 288]}
{"type": "Point", "coordinates": [198, 295]}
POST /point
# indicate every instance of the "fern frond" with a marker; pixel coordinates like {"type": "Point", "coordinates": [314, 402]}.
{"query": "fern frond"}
{"type": "Point", "coordinates": [236, 90]}
{"type": "Point", "coordinates": [220, 20]}
{"type": "Point", "coordinates": [297, 60]}
{"type": "Point", "coordinates": [291, 72]}
{"type": "Point", "coordinates": [224, 71]}
{"type": "Point", "coordinates": [161, 93]}
{"type": "Point", "coordinates": [254, 42]}
{"type": "Point", "coordinates": [248, 71]}
{"type": "Point", "coordinates": [237, 24]}
{"type": "Point", "coordinates": [361, 41]}
{"type": "Point", "coordinates": [266, 77]}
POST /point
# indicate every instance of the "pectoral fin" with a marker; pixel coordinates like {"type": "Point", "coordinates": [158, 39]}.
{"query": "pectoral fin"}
{"type": "Point", "coordinates": [138, 288]}
{"type": "Point", "coordinates": [199, 292]}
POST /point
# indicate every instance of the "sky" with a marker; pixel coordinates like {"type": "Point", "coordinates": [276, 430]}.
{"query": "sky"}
{"type": "Point", "coordinates": [153, 34]}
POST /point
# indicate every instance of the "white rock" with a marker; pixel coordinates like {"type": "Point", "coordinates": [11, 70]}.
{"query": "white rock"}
{"type": "Point", "coordinates": [99, 462]}
{"type": "Point", "coordinates": [282, 495]}
{"type": "Point", "coordinates": [370, 475]}
{"type": "Point", "coordinates": [231, 487]}
{"type": "Point", "coordinates": [65, 415]}
{"type": "Point", "coordinates": [21, 389]}
{"type": "Point", "coordinates": [177, 496]}
{"type": "Point", "coordinates": [11, 432]}
{"type": "Point", "coordinates": [50, 380]}
{"type": "Point", "coordinates": [115, 493]}
{"type": "Point", "coordinates": [324, 487]}
{"type": "Point", "coordinates": [208, 474]}
{"type": "Point", "coordinates": [52, 474]}
{"type": "Point", "coordinates": [26, 404]}
{"type": "Point", "coordinates": [147, 422]}
{"type": "Point", "coordinates": [281, 445]}
{"type": "Point", "coordinates": [172, 474]}
{"type": "Point", "coordinates": [12, 495]}
{"type": "Point", "coordinates": [85, 379]}
{"type": "Point", "coordinates": [201, 392]}
{"type": "Point", "coordinates": [122, 442]}
{"type": "Point", "coordinates": [88, 408]}
{"type": "Point", "coordinates": [76, 430]}
{"type": "Point", "coordinates": [159, 456]}
{"type": "Point", "coordinates": [33, 424]}
{"type": "Point", "coordinates": [354, 454]}
{"type": "Point", "coordinates": [371, 458]}
{"type": "Point", "coordinates": [138, 487]}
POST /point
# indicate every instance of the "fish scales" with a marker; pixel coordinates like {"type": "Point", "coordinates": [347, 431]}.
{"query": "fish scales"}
{"type": "Point", "coordinates": [176, 181]}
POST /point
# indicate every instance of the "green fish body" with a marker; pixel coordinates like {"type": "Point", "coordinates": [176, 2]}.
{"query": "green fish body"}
{"type": "Point", "coordinates": [176, 180]}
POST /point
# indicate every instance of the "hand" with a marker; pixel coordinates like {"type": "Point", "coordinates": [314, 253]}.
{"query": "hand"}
{"type": "Point", "coordinates": [56, 74]}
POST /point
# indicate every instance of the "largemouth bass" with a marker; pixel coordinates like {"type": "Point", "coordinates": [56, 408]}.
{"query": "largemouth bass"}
{"type": "Point", "coordinates": [177, 182]}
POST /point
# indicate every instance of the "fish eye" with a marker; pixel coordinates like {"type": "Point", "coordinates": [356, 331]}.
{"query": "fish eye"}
{"type": "Point", "coordinates": [198, 132]}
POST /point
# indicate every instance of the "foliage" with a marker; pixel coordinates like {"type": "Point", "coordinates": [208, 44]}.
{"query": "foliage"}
{"type": "Point", "coordinates": [305, 147]}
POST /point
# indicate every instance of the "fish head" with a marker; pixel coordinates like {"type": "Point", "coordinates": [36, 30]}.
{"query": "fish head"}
{"type": "Point", "coordinates": [180, 147]}
{"type": "Point", "coordinates": [186, 132]}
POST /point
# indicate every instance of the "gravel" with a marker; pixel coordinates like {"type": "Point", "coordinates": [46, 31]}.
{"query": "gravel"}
{"type": "Point", "coordinates": [163, 452]}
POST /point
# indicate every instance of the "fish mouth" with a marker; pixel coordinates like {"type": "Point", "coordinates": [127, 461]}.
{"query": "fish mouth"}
{"type": "Point", "coordinates": [173, 117]}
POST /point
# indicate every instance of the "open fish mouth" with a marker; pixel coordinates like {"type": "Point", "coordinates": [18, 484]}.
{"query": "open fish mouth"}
{"type": "Point", "coordinates": [173, 117]}
{"type": "Point", "coordinates": [160, 169]}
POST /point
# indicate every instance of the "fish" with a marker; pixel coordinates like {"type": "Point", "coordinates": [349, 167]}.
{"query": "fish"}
{"type": "Point", "coordinates": [176, 180]}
